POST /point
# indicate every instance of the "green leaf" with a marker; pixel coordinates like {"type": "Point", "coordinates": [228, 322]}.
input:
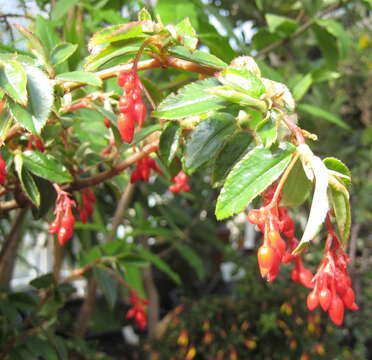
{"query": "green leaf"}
{"type": "Point", "coordinates": [206, 139]}
{"type": "Point", "coordinates": [27, 182]}
{"type": "Point", "coordinates": [110, 52]}
{"type": "Point", "coordinates": [40, 100]}
{"type": "Point", "coordinates": [267, 130]}
{"type": "Point", "coordinates": [134, 278]}
{"type": "Point", "coordinates": [144, 15]}
{"type": "Point", "coordinates": [257, 170]}
{"type": "Point", "coordinates": [339, 169]}
{"type": "Point", "coordinates": [280, 24]}
{"type": "Point", "coordinates": [328, 46]}
{"type": "Point", "coordinates": [242, 80]}
{"type": "Point", "coordinates": [339, 197]}
{"type": "Point", "coordinates": [83, 77]}
{"type": "Point", "coordinates": [172, 12]}
{"type": "Point", "coordinates": [45, 31]}
{"type": "Point", "coordinates": [132, 30]}
{"type": "Point", "coordinates": [233, 149]}
{"type": "Point", "coordinates": [188, 33]}
{"type": "Point", "coordinates": [197, 56]}
{"type": "Point", "coordinates": [160, 264]}
{"type": "Point", "coordinates": [107, 284]}
{"type": "Point", "coordinates": [323, 114]}
{"type": "Point", "coordinates": [302, 86]}
{"type": "Point", "coordinates": [296, 188]}
{"type": "Point", "coordinates": [194, 260]}
{"type": "Point", "coordinates": [61, 52]}
{"type": "Point", "coordinates": [191, 100]}
{"type": "Point", "coordinates": [319, 206]}
{"type": "Point", "coordinates": [13, 81]}
{"type": "Point", "coordinates": [45, 166]}
{"type": "Point", "coordinates": [60, 9]}
{"type": "Point", "coordinates": [263, 38]}
{"type": "Point", "coordinates": [169, 142]}
{"type": "Point", "coordinates": [43, 281]}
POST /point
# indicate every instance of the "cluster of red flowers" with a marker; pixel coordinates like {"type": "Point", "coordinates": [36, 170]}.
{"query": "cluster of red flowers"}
{"type": "Point", "coordinates": [331, 285]}
{"type": "Point", "coordinates": [143, 169]}
{"type": "Point", "coordinates": [131, 107]}
{"type": "Point", "coordinates": [180, 183]}
{"type": "Point", "coordinates": [2, 171]}
{"type": "Point", "coordinates": [35, 141]}
{"type": "Point", "coordinates": [86, 209]}
{"type": "Point", "coordinates": [64, 221]}
{"type": "Point", "coordinates": [332, 289]}
{"type": "Point", "coordinates": [137, 311]}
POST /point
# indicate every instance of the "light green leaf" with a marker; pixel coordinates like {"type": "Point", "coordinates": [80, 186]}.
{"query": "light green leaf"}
{"type": "Point", "coordinates": [144, 15]}
{"type": "Point", "coordinates": [61, 52]}
{"type": "Point", "coordinates": [192, 99]}
{"type": "Point", "coordinates": [339, 197]}
{"type": "Point", "coordinates": [296, 188]}
{"type": "Point", "coordinates": [45, 166]}
{"type": "Point", "coordinates": [132, 30]}
{"type": "Point", "coordinates": [13, 80]}
{"type": "Point", "coordinates": [280, 24]}
{"type": "Point", "coordinates": [83, 77]}
{"type": "Point", "coordinates": [160, 264]}
{"type": "Point", "coordinates": [27, 182]}
{"type": "Point", "coordinates": [169, 142]}
{"type": "Point", "coordinates": [302, 86]}
{"type": "Point", "coordinates": [197, 56]}
{"type": "Point", "coordinates": [60, 9]}
{"type": "Point", "coordinates": [267, 130]}
{"type": "Point", "coordinates": [257, 170]}
{"type": "Point", "coordinates": [188, 33]}
{"type": "Point", "coordinates": [234, 148]}
{"type": "Point", "coordinates": [242, 80]}
{"type": "Point", "coordinates": [323, 114]}
{"type": "Point", "coordinates": [206, 139]}
{"type": "Point", "coordinates": [40, 100]}
{"type": "Point", "coordinates": [339, 169]}
{"type": "Point", "coordinates": [319, 205]}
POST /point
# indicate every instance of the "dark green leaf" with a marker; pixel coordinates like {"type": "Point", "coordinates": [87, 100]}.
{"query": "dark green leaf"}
{"type": "Point", "coordinates": [160, 264]}
{"type": "Point", "coordinates": [43, 281]}
{"type": "Point", "coordinates": [13, 80]}
{"type": "Point", "coordinates": [169, 142]}
{"type": "Point", "coordinates": [192, 99]}
{"type": "Point", "coordinates": [280, 24]}
{"type": "Point", "coordinates": [233, 149]}
{"type": "Point", "coordinates": [107, 284]}
{"type": "Point", "coordinates": [327, 45]}
{"type": "Point", "coordinates": [27, 182]}
{"type": "Point", "coordinates": [192, 258]}
{"type": "Point", "coordinates": [250, 177]}
{"type": "Point", "coordinates": [206, 139]}
{"type": "Point", "coordinates": [45, 166]}
{"type": "Point", "coordinates": [197, 56]}
{"type": "Point", "coordinates": [83, 77]}
{"type": "Point", "coordinates": [47, 197]}
{"type": "Point", "coordinates": [323, 114]}
{"type": "Point", "coordinates": [62, 52]}
{"type": "Point", "coordinates": [296, 188]}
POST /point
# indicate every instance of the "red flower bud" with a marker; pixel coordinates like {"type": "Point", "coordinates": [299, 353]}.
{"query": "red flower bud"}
{"type": "Point", "coordinates": [336, 310]}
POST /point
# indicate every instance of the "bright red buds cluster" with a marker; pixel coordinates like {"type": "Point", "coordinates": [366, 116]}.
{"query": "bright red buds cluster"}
{"type": "Point", "coordinates": [137, 311]}
{"type": "Point", "coordinates": [275, 222]}
{"type": "Point", "coordinates": [86, 209]}
{"type": "Point", "coordinates": [132, 109]}
{"type": "Point", "coordinates": [2, 171]}
{"type": "Point", "coordinates": [180, 183]}
{"type": "Point", "coordinates": [143, 170]}
{"type": "Point", "coordinates": [332, 290]}
{"type": "Point", "coordinates": [64, 222]}
{"type": "Point", "coordinates": [35, 141]}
